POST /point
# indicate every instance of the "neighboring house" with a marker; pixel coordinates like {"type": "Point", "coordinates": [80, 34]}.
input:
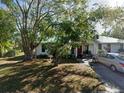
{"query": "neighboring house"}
{"type": "Point", "coordinates": [41, 50]}
{"type": "Point", "coordinates": [104, 43]}
{"type": "Point", "coordinates": [109, 44]}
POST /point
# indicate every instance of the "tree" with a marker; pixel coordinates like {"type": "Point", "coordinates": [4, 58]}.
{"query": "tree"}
{"type": "Point", "coordinates": [117, 34]}
{"type": "Point", "coordinates": [7, 29]}
{"type": "Point", "coordinates": [106, 33]}
{"type": "Point", "coordinates": [74, 28]}
{"type": "Point", "coordinates": [30, 18]}
{"type": "Point", "coordinates": [113, 18]}
{"type": "Point", "coordinates": [64, 20]}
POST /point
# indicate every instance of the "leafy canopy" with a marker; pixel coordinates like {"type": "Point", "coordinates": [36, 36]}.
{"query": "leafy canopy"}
{"type": "Point", "coordinates": [7, 29]}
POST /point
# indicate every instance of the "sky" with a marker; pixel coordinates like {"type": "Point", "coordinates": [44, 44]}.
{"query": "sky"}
{"type": "Point", "coordinates": [109, 3]}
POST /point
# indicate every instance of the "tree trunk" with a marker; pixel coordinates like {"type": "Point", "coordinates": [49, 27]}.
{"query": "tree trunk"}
{"type": "Point", "coordinates": [28, 55]}
{"type": "Point", "coordinates": [1, 51]}
{"type": "Point", "coordinates": [28, 51]}
{"type": "Point", "coordinates": [56, 58]}
{"type": "Point", "coordinates": [1, 54]}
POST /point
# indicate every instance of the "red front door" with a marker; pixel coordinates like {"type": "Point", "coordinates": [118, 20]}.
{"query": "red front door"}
{"type": "Point", "coordinates": [79, 54]}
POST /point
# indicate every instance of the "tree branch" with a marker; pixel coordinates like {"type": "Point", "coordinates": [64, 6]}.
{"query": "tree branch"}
{"type": "Point", "coordinates": [29, 6]}
{"type": "Point", "coordinates": [19, 6]}
{"type": "Point", "coordinates": [37, 9]}
{"type": "Point", "coordinates": [41, 18]}
{"type": "Point", "coordinates": [41, 38]}
{"type": "Point", "coordinates": [18, 25]}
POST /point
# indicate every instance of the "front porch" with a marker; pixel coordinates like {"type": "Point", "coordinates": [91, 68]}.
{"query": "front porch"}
{"type": "Point", "coordinates": [83, 51]}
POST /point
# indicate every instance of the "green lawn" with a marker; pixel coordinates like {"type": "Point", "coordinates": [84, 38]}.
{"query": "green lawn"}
{"type": "Point", "coordinates": [42, 76]}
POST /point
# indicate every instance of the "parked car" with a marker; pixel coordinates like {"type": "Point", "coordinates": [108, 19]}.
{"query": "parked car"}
{"type": "Point", "coordinates": [113, 60]}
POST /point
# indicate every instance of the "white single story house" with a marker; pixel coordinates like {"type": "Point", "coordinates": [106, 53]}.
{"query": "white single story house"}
{"type": "Point", "coordinates": [108, 44]}
{"type": "Point", "coordinates": [41, 50]}
{"type": "Point", "coordinates": [105, 43]}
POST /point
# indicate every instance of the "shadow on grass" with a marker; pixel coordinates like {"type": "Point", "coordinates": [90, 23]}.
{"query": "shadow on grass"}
{"type": "Point", "coordinates": [42, 76]}
{"type": "Point", "coordinates": [63, 61]}
{"type": "Point", "coordinates": [16, 58]}
{"type": "Point", "coordinates": [24, 77]}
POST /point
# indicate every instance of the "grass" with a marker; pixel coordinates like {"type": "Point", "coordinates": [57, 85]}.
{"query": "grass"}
{"type": "Point", "coordinates": [42, 76]}
{"type": "Point", "coordinates": [72, 78]}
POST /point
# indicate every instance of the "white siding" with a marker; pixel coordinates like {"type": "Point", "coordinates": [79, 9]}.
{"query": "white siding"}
{"type": "Point", "coordinates": [39, 50]}
{"type": "Point", "coordinates": [93, 48]}
{"type": "Point", "coordinates": [104, 46]}
{"type": "Point", "coordinates": [115, 47]}
{"type": "Point", "coordinates": [76, 52]}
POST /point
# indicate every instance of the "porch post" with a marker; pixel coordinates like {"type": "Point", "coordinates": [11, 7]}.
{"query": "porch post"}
{"type": "Point", "coordinates": [82, 49]}
{"type": "Point", "coordinates": [76, 52]}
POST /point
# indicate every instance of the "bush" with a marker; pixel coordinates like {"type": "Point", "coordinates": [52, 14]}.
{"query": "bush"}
{"type": "Point", "coordinates": [42, 56]}
{"type": "Point", "coordinates": [10, 53]}
{"type": "Point", "coordinates": [101, 52]}
{"type": "Point", "coordinates": [71, 60]}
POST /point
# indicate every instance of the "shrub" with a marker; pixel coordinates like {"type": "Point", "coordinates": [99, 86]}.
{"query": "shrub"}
{"type": "Point", "coordinates": [10, 53]}
{"type": "Point", "coordinates": [101, 52]}
{"type": "Point", "coordinates": [42, 56]}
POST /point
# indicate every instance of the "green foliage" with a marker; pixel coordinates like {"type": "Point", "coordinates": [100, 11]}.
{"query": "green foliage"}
{"type": "Point", "coordinates": [117, 34]}
{"type": "Point", "coordinates": [72, 31]}
{"type": "Point", "coordinates": [106, 33]}
{"type": "Point", "coordinates": [67, 22]}
{"type": "Point", "coordinates": [10, 53]}
{"type": "Point", "coordinates": [113, 18]}
{"type": "Point", "coordinates": [7, 29]}
{"type": "Point", "coordinates": [97, 15]}
{"type": "Point", "coordinates": [101, 53]}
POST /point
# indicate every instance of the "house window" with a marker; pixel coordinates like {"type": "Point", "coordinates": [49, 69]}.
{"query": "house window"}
{"type": "Point", "coordinates": [121, 46]}
{"type": "Point", "coordinates": [72, 50]}
{"type": "Point", "coordinates": [109, 47]}
{"type": "Point", "coordinates": [43, 48]}
{"type": "Point", "coordinates": [100, 46]}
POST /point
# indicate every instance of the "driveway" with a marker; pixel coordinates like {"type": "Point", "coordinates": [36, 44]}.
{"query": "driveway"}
{"type": "Point", "coordinates": [113, 80]}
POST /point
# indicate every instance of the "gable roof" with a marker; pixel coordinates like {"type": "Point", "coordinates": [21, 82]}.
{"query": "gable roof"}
{"type": "Point", "coordinates": [105, 39]}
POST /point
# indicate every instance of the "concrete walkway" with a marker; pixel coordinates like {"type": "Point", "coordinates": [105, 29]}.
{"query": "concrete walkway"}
{"type": "Point", "coordinates": [114, 81]}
